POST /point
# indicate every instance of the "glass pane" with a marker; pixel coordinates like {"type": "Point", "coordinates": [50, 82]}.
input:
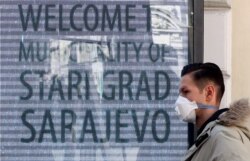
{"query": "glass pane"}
{"type": "Point", "coordinates": [92, 80]}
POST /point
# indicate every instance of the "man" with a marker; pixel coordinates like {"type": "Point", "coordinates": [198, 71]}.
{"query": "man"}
{"type": "Point", "coordinates": [223, 135]}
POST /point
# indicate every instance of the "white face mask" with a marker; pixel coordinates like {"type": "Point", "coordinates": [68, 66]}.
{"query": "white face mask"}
{"type": "Point", "coordinates": [186, 109]}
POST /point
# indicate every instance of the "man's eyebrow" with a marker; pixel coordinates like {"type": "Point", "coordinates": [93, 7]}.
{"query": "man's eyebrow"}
{"type": "Point", "coordinates": [182, 88]}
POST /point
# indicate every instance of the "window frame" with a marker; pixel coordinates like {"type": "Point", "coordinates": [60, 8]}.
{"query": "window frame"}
{"type": "Point", "coordinates": [195, 46]}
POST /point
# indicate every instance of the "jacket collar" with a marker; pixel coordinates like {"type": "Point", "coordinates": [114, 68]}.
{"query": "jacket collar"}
{"type": "Point", "coordinates": [214, 117]}
{"type": "Point", "coordinates": [202, 138]}
{"type": "Point", "coordinates": [238, 115]}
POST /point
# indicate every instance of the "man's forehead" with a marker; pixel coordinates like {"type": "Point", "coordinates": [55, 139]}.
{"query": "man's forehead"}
{"type": "Point", "coordinates": [186, 81]}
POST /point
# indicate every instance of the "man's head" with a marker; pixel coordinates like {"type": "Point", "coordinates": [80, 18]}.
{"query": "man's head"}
{"type": "Point", "coordinates": [203, 83]}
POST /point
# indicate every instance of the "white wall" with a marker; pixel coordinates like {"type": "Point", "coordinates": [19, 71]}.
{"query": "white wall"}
{"type": "Point", "coordinates": [240, 49]}
{"type": "Point", "coordinates": [217, 40]}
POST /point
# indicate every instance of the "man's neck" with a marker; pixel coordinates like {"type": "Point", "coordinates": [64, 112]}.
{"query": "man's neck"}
{"type": "Point", "coordinates": [212, 118]}
{"type": "Point", "coordinates": [202, 115]}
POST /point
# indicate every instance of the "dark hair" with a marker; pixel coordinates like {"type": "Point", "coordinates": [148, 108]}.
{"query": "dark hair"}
{"type": "Point", "coordinates": [204, 72]}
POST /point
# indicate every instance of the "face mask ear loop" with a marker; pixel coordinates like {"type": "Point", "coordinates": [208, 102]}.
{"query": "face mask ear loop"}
{"type": "Point", "coordinates": [202, 106]}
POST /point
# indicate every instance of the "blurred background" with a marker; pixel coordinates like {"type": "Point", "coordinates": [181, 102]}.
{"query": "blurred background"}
{"type": "Point", "coordinates": [227, 43]}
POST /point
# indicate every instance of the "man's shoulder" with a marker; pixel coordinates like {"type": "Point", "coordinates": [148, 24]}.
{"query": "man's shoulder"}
{"type": "Point", "coordinates": [222, 131]}
{"type": "Point", "coordinates": [233, 122]}
{"type": "Point", "coordinates": [215, 131]}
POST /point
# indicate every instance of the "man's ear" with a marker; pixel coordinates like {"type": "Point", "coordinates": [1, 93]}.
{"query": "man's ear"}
{"type": "Point", "coordinates": [210, 92]}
